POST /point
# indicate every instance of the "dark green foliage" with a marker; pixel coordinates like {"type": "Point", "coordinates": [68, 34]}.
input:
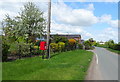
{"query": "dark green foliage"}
{"type": "Point", "coordinates": [14, 48]}
{"type": "Point", "coordinates": [36, 50]}
{"type": "Point", "coordinates": [116, 47]}
{"type": "Point", "coordinates": [87, 45]}
{"type": "Point", "coordinates": [80, 46]}
{"type": "Point", "coordinates": [57, 39]}
{"type": "Point", "coordinates": [5, 51]}
{"type": "Point", "coordinates": [38, 43]}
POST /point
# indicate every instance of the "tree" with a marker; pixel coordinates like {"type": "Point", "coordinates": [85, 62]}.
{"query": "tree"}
{"type": "Point", "coordinates": [110, 44]}
{"type": "Point", "coordinates": [30, 23]}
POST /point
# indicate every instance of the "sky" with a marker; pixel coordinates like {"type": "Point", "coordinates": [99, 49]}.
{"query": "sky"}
{"type": "Point", "coordinates": [90, 19]}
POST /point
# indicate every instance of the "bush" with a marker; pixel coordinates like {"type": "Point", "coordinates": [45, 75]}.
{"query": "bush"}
{"type": "Point", "coordinates": [36, 47]}
{"type": "Point", "coordinates": [57, 39]}
{"type": "Point", "coordinates": [54, 47]}
{"type": "Point", "coordinates": [87, 45]}
{"type": "Point", "coordinates": [14, 48]}
{"type": "Point", "coordinates": [116, 47]}
{"type": "Point", "coordinates": [80, 46]}
{"type": "Point", "coordinates": [37, 43]}
{"type": "Point", "coordinates": [72, 44]}
{"type": "Point", "coordinates": [36, 50]}
{"type": "Point", "coordinates": [61, 46]}
{"type": "Point", "coordinates": [25, 49]}
{"type": "Point", "coordinates": [5, 51]}
{"type": "Point", "coordinates": [72, 41]}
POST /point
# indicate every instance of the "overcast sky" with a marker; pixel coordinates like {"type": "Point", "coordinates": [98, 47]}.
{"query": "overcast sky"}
{"type": "Point", "coordinates": [98, 20]}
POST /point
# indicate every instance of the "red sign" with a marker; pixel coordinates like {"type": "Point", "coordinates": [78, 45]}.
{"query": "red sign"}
{"type": "Point", "coordinates": [42, 45]}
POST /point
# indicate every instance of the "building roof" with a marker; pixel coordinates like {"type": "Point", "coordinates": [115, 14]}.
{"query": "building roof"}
{"type": "Point", "coordinates": [67, 35]}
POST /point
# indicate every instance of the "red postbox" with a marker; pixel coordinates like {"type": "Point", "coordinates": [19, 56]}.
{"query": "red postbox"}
{"type": "Point", "coordinates": [42, 45]}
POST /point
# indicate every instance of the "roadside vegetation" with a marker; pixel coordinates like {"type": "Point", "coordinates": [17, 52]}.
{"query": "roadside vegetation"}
{"type": "Point", "coordinates": [70, 65]}
{"type": "Point", "coordinates": [115, 51]}
{"type": "Point", "coordinates": [111, 46]}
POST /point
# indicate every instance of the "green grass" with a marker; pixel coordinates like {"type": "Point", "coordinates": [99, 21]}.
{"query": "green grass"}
{"type": "Point", "coordinates": [71, 65]}
{"type": "Point", "coordinates": [115, 51]}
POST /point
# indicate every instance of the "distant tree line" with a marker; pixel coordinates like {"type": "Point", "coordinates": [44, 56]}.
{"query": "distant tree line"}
{"type": "Point", "coordinates": [109, 44]}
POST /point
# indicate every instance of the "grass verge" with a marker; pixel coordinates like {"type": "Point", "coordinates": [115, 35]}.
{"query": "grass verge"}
{"type": "Point", "coordinates": [71, 65]}
{"type": "Point", "coordinates": [115, 51]}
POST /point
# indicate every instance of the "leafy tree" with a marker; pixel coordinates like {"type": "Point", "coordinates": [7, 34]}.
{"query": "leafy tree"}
{"type": "Point", "coordinates": [29, 23]}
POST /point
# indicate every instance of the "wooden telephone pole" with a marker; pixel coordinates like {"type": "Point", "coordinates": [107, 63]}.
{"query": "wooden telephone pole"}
{"type": "Point", "coordinates": [48, 29]}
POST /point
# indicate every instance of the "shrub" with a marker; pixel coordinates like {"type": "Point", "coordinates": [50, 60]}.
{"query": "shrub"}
{"type": "Point", "coordinates": [36, 52]}
{"type": "Point", "coordinates": [14, 48]}
{"type": "Point", "coordinates": [72, 44]}
{"type": "Point", "coordinates": [25, 49]}
{"type": "Point", "coordinates": [72, 41]}
{"type": "Point", "coordinates": [80, 46]}
{"type": "Point", "coordinates": [36, 47]}
{"type": "Point", "coordinates": [61, 46]}
{"type": "Point", "coordinates": [57, 39]}
{"type": "Point", "coordinates": [54, 47]}
{"type": "Point", "coordinates": [87, 45]}
{"type": "Point", "coordinates": [116, 47]}
{"type": "Point", "coordinates": [5, 51]}
{"type": "Point", "coordinates": [37, 43]}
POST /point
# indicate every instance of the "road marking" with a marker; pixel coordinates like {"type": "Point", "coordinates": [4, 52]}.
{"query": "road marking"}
{"type": "Point", "coordinates": [96, 57]}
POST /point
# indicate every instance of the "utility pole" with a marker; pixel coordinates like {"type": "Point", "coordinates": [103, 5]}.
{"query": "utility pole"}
{"type": "Point", "coordinates": [48, 29]}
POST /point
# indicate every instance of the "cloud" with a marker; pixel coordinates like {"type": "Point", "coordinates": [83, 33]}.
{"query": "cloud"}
{"type": "Point", "coordinates": [101, 0]}
{"type": "Point", "coordinates": [87, 0]}
{"type": "Point", "coordinates": [107, 34]}
{"type": "Point", "coordinates": [14, 1]}
{"type": "Point", "coordinates": [108, 19]}
{"type": "Point", "coordinates": [91, 7]}
{"type": "Point", "coordinates": [5, 12]}
{"type": "Point", "coordinates": [77, 17]}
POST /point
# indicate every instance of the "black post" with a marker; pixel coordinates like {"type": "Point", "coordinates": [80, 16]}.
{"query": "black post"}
{"type": "Point", "coordinates": [19, 51]}
{"type": "Point", "coordinates": [43, 54]}
{"type": "Point", "coordinates": [30, 51]}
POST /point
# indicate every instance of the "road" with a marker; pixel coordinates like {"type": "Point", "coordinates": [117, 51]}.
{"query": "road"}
{"type": "Point", "coordinates": [104, 65]}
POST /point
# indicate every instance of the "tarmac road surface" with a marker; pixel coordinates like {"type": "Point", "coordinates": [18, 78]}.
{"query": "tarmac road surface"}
{"type": "Point", "coordinates": [104, 65]}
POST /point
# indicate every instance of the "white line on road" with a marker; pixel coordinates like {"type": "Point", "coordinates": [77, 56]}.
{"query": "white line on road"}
{"type": "Point", "coordinates": [96, 58]}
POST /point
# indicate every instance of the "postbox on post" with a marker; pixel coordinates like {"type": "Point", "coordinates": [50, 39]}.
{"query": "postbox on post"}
{"type": "Point", "coordinates": [42, 45]}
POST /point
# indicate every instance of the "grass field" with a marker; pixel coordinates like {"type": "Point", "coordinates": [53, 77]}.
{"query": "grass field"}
{"type": "Point", "coordinates": [115, 51]}
{"type": "Point", "coordinates": [71, 65]}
